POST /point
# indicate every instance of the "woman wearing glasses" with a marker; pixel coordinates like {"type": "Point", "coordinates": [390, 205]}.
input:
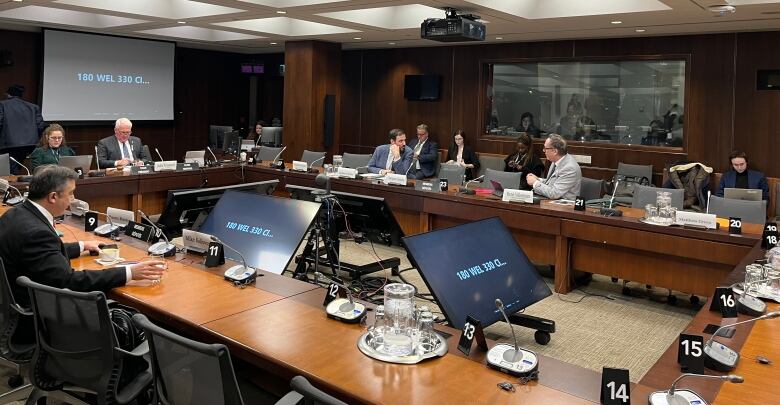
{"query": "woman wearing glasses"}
{"type": "Point", "coordinates": [51, 147]}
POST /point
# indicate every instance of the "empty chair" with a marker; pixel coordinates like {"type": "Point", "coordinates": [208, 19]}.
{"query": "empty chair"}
{"type": "Point", "coordinates": [268, 154]}
{"type": "Point", "coordinates": [189, 372]}
{"type": "Point", "coordinates": [636, 172]}
{"type": "Point", "coordinates": [313, 159]}
{"type": "Point", "coordinates": [748, 211]}
{"type": "Point", "coordinates": [13, 352]}
{"type": "Point", "coordinates": [355, 160]}
{"type": "Point", "coordinates": [306, 393]}
{"type": "Point", "coordinates": [644, 195]}
{"type": "Point", "coordinates": [507, 179]}
{"type": "Point", "coordinates": [453, 173]}
{"type": "Point", "coordinates": [271, 136]}
{"type": "Point", "coordinates": [78, 350]}
{"type": "Point", "coordinates": [490, 162]}
{"type": "Point", "coordinates": [591, 189]}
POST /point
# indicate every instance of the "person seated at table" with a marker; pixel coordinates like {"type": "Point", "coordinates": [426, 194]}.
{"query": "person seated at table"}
{"type": "Point", "coordinates": [257, 133]}
{"type": "Point", "coordinates": [524, 161]}
{"type": "Point", "coordinates": [741, 177]}
{"type": "Point", "coordinates": [462, 155]}
{"type": "Point", "coordinates": [564, 177]}
{"type": "Point", "coordinates": [51, 147]}
{"type": "Point", "coordinates": [527, 125]}
{"type": "Point", "coordinates": [426, 154]}
{"type": "Point", "coordinates": [394, 157]}
{"type": "Point", "coordinates": [121, 149]}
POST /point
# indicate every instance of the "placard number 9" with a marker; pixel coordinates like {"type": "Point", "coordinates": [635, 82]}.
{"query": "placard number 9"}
{"type": "Point", "coordinates": [91, 221]}
{"type": "Point", "coordinates": [468, 331]}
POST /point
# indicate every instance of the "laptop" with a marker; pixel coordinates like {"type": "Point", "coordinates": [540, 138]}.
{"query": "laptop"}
{"type": "Point", "coordinates": [498, 189]}
{"type": "Point", "coordinates": [5, 165]}
{"type": "Point", "coordinates": [195, 156]}
{"type": "Point", "coordinates": [749, 194]}
{"type": "Point", "coordinates": [72, 162]}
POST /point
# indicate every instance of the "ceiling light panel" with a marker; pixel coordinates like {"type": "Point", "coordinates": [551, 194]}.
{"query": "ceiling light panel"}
{"type": "Point", "coordinates": [290, 3]}
{"type": "Point", "coordinates": [538, 9]}
{"type": "Point", "coordinates": [173, 9]}
{"type": "Point", "coordinates": [392, 18]}
{"type": "Point", "coordinates": [286, 26]}
{"type": "Point", "coordinates": [748, 2]}
{"type": "Point", "coordinates": [201, 34]}
{"type": "Point", "coordinates": [67, 17]}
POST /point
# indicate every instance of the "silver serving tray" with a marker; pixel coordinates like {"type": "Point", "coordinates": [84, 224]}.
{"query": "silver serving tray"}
{"type": "Point", "coordinates": [739, 289]}
{"type": "Point", "coordinates": [364, 344]}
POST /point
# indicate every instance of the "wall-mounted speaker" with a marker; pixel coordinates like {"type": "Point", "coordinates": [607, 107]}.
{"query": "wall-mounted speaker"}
{"type": "Point", "coordinates": [6, 58]}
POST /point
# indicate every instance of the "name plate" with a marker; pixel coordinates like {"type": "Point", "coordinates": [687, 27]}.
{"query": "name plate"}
{"type": "Point", "coordinates": [195, 241]}
{"type": "Point", "coordinates": [426, 186]}
{"type": "Point", "coordinates": [166, 166]}
{"type": "Point", "coordinates": [347, 172]}
{"type": "Point", "coordinates": [696, 219]}
{"type": "Point", "coordinates": [514, 195]}
{"type": "Point", "coordinates": [197, 161]}
{"type": "Point", "coordinates": [120, 217]}
{"type": "Point", "coordinates": [146, 169]}
{"type": "Point", "coordinates": [300, 166]}
{"type": "Point", "coordinates": [186, 167]}
{"type": "Point", "coordinates": [396, 179]}
{"type": "Point", "coordinates": [139, 231]}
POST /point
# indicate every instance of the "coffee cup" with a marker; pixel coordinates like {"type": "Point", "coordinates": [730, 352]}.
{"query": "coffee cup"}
{"type": "Point", "coordinates": [109, 254]}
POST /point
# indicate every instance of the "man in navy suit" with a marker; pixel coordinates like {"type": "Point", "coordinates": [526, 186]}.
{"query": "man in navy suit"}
{"type": "Point", "coordinates": [20, 126]}
{"type": "Point", "coordinates": [742, 177]}
{"type": "Point", "coordinates": [394, 157]}
{"type": "Point", "coordinates": [426, 154]}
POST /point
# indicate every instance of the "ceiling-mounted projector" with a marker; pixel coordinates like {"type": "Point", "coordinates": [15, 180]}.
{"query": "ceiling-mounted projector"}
{"type": "Point", "coordinates": [453, 28]}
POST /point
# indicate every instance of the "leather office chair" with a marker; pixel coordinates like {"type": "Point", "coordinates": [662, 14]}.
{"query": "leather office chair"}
{"type": "Point", "coordinates": [490, 162]}
{"type": "Point", "coordinates": [355, 160]}
{"type": "Point", "coordinates": [636, 171]}
{"type": "Point", "coordinates": [591, 189]}
{"type": "Point", "coordinates": [304, 392]}
{"type": "Point", "coordinates": [309, 157]}
{"type": "Point", "coordinates": [189, 372]}
{"type": "Point", "coordinates": [78, 351]}
{"type": "Point", "coordinates": [507, 179]}
{"type": "Point", "coordinates": [453, 173]}
{"type": "Point", "coordinates": [644, 195]}
{"type": "Point", "coordinates": [267, 153]}
{"type": "Point", "coordinates": [13, 353]}
{"type": "Point", "coordinates": [748, 211]}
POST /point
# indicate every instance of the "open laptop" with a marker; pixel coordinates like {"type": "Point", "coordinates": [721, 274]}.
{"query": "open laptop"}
{"type": "Point", "coordinates": [749, 194]}
{"type": "Point", "coordinates": [195, 156]}
{"type": "Point", "coordinates": [72, 162]}
{"type": "Point", "coordinates": [498, 189]}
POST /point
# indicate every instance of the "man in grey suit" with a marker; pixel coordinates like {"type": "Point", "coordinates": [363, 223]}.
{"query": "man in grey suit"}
{"type": "Point", "coordinates": [394, 157]}
{"type": "Point", "coordinates": [20, 125]}
{"type": "Point", "coordinates": [121, 149]}
{"type": "Point", "coordinates": [564, 177]}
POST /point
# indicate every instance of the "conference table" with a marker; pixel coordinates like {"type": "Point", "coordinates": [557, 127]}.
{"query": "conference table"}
{"type": "Point", "coordinates": [279, 326]}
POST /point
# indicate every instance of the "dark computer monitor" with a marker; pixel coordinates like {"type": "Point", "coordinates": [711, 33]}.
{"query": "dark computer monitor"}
{"type": "Point", "coordinates": [271, 136]}
{"type": "Point", "coordinates": [187, 209]}
{"type": "Point", "coordinates": [466, 267]}
{"type": "Point", "coordinates": [266, 230]}
{"type": "Point", "coordinates": [217, 135]}
{"type": "Point", "coordinates": [231, 142]}
{"type": "Point", "coordinates": [368, 215]}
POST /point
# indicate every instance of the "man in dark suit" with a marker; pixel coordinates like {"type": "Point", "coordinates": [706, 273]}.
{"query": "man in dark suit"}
{"type": "Point", "coordinates": [426, 154]}
{"type": "Point", "coordinates": [20, 126]}
{"type": "Point", "coordinates": [30, 246]}
{"type": "Point", "coordinates": [122, 149]}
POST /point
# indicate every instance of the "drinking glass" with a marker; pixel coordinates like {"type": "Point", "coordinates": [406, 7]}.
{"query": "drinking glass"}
{"type": "Point", "coordinates": [426, 340]}
{"type": "Point", "coordinates": [753, 273]}
{"type": "Point", "coordinates": [337, 161]}
{"type": "Point", "coordinates": [651, 213]}
{"type": "Point", "coordinates": [399, 308]}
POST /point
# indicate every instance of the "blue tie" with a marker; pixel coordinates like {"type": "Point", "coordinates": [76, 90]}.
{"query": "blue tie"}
{"type": "Point", "coordinates": [127, 151]}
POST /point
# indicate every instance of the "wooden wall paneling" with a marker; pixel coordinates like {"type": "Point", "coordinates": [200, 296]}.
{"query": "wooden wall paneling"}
{"type": "Point", "coordinates": [26, 51]}
{"type": "Point", "coordinates": [351, 99]}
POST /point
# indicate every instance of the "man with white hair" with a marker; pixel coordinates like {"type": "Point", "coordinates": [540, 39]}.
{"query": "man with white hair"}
{"type": "Point", "coordinates": [122, 149]}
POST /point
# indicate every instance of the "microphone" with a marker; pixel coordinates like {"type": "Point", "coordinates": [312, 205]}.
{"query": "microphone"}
{"type": "Point", "coordinates": [709, 194]}
{"type": "Point", "coordinates": [609, 211]}
{"type": "Point", "coordinates": [110, 230]}
{"type": "Point", "coordinates": [315, 161]}
{"type": "Point", "coordinates": [21, 179]}
{"type": "Point", "coordinates": [670, 397]}
{"type": "Point", "coordinates": [240, 274]}
{"type": "Point", "coordinates": [273, 162]}
{"type": "Point", "coordinates": [216, 163]}
{"type": "Point", "coordinates": [749, 304]}
{"type": "Point", "coordinates": [163, 249]}
{"type": "Point", "coordinates": [719, 356]}
{"type": "Point", "coordinates": [500, 306]}
{"type": "Point", "coordinates": [343, 310]}
{"type": "Point", "coordinates": [323, 180]}
{"type": "Point", "coordinates": [466, 190]}
{"type": "Point", "coordinates": [96, 173]}
{"type": "Point", "coordinates": [159, 155]}
{"type": "Point", "coordinates": [512, 359]}
{"type": "Point", "coordinates": [4, 187]}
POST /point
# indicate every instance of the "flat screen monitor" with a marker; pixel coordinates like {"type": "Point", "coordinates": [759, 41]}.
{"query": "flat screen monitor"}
{"type": "Point", "coordinates": [466, 267]}
{"type": "Point", "coordinates": [422, 87]}
{"type": "Point", "coordinates": [231, 141]}
{"type": "Point", "coordinates": [72, 162]}
{"type": "Point", "coordinates": [266, 230]}
{"type": "Point", "coordinates": [187, 209]}
{"type": "Point", "coordinates": [368, 215]}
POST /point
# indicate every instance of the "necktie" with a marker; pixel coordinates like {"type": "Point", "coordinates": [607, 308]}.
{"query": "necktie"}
{"type": "Point", "coordinates": [126, 151]}
{"type": "Point", "coordinates": [552, 170]}
{"type": "Point", "coordinates": [417, 149]}
{"type": "Point", "coordinates": [389, 163]}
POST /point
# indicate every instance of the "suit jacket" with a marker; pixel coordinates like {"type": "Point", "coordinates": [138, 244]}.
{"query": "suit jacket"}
{"type": "Point", "coordinates": [469, 157]}
{"type": "Point", "coordinates": [21, 123]}
{"type": "Point", "coordinates": [428, 158]}
{"type": "Point", "coordinates": [30, 247]}
{"type": "Point", "coordinates": [108, 151]}
{"type": "Point", "coordinates": [564, 182]}
{"type": "Point", "coordinates": [41, 156]}
{"type": "Point", "coordinates": [379, 159]}
{"type": "Point", "coordinates": [535, 166]}
{"type": "Point", "coordinates": [756, 180]}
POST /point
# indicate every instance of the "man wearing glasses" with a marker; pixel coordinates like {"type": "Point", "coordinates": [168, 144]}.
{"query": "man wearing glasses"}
{"type": "Point", "coordinates": [122, 149]}
{"type": "Point", "coordinates": [563, 177]}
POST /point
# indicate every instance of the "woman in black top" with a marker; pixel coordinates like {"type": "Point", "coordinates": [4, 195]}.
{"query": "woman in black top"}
{"type": "Point", "coordinates": [527, 125]}
{"type": "Point", "coordinates": [524, 160]}
{"type": "Point", "coordinates": [460, 154]}
{"type": "Point", "coordinates": [51, 147]}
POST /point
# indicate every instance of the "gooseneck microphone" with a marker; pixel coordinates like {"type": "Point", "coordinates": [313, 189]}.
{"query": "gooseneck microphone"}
{"type": "Point", "coordinates": [163, 249]}
{"type": "Point", "coordinates": [110, 230]}
{"type": "Point", "coordinates": [159, 155]}
{"type": "Point", "coordinates": [278, 155]}
{"type": "Point", "coordinates": [96, 173]}
{"type": "Point", "coordinates": [414, 159]}
{"type": "Point", "coordinates": [720, 357]}
{"type": "Point", "coordinates": [500, 306]}
{"type": "Point", "coordinates": [239, 274]}
{"type": "Point", "coordinates": [686, 397]}
{"type": "Point", "coordinates": [216, 162]}
{"type": "Point", "coordinates": [512, 359]}
{"type": "Point", "coordinates": [343, 310]}
{"type": "Point", "coordinates": [466, 190]}
{"type": "Point", "coordinates": [609, 211]}
{"type": "Point", "coordinates": [316, 160]}
{"type": "Point", "coordinates": [21, 179]}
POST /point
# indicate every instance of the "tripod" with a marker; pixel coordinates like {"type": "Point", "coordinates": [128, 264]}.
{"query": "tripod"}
{"type": "Point", "coordinates": [325, 230]}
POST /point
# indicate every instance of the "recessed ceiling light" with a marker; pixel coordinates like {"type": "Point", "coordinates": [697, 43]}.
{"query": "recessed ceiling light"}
{"type": "Point", "coordinates": [391, 43]}
{"type": "Point", "coordinates": [640, 30]}
{"type": "Point", "coordinates": [273, 43]}
{"type": "Point", "coordinates": [181, 22]}
{"type": "Point", "coordinates": [617, 22]}
{"type": "Point", "coordinates": [499, 37]}
{"type": "Point", "coordinates": [18, 1]}
{"type": "Point", "coordinates": [358, 38]}
{"type": "Point", "coordinates": [281, 12]}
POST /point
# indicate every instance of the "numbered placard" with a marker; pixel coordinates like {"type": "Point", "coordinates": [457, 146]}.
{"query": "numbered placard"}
{"type": "Point", "coordinates": [579, 204]}
{"type": "Point", "coordinates": [471, 331]}
{"type": "Point", "coordinates": [90, 221]}
{"type": "Point", "coordinates": [215, 255]}
{"type": "Point", "coordinates": [444, 185]}
{"type": "Point", "coordinates": [735, 226]}
{"type": "Point", "coordinates": [332, 292]}
{"type": "Point", "coordinates": [615, 386]}
{"type": "Point", "coordinates": [80, 172]}
{"type": "Point", "coordinates": [690, 353]}
{"type": "Point", "coordinates": [769, 238]}
{"type": "Point", "coordinates": [724, 301]}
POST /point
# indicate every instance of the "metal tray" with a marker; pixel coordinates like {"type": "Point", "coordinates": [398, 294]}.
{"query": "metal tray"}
{"type": "Point", "coordinates": [364, 344]}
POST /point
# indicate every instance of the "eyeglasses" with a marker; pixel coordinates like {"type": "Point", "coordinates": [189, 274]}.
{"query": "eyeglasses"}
{"type": "Point", "coordinates": [125, 132]}
{"type": "Point", "coordinates": [56, 138]}
{"type": "Point", "coordinates": [548, 149]}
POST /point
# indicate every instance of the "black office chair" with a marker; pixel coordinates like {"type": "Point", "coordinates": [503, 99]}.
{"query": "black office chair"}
{"type": "Point", "coordinates": [78, 351]}
{"type": "Point", "coordinates": [189, 372]}
{"type": "Point", "coordinates": [307, 394]}
{"type": "Point", "coordinates": [13, 353]}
